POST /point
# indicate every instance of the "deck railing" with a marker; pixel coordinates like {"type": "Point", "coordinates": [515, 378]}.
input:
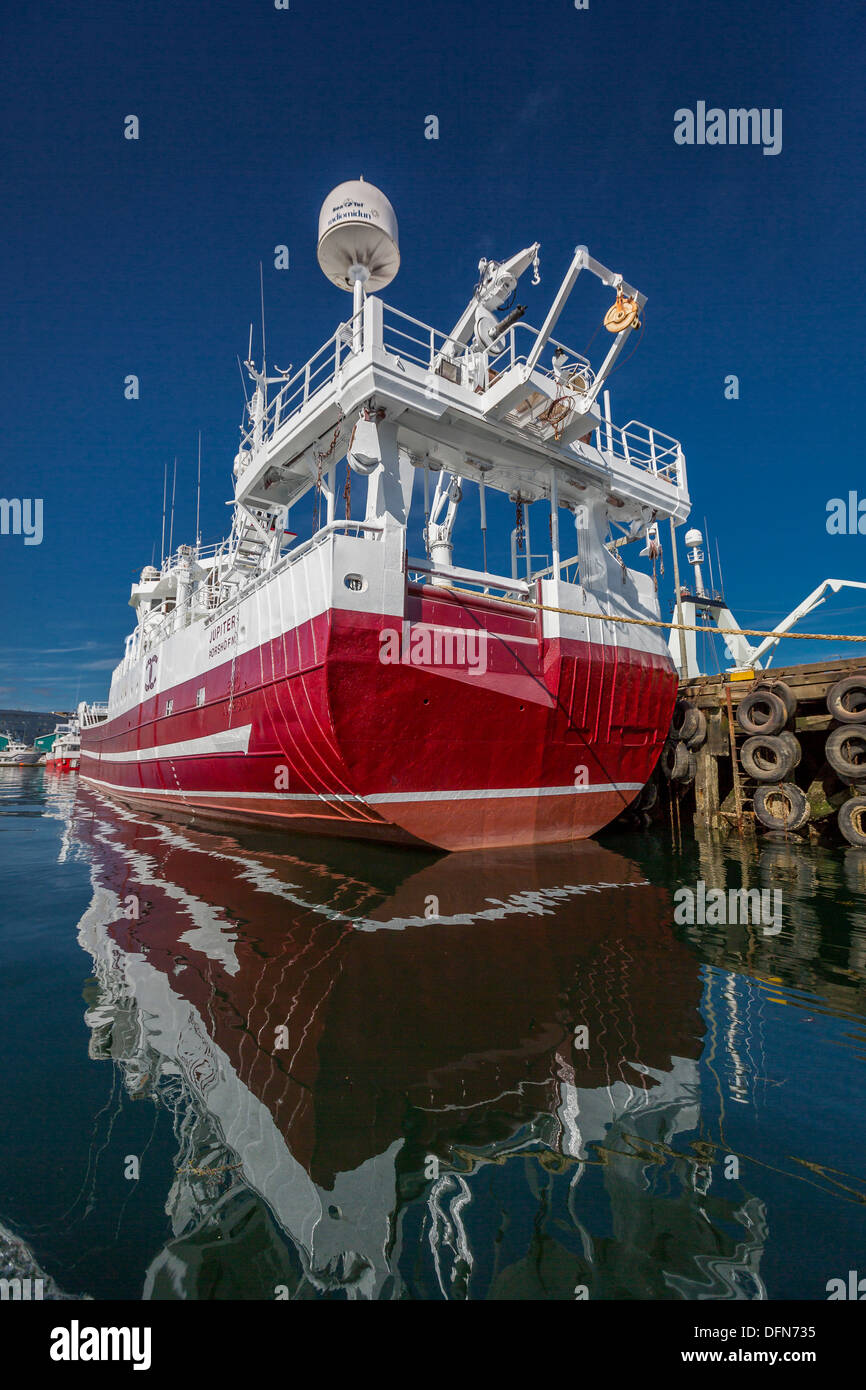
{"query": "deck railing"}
{"type": "Point", "coordinates": [300, 388]}
{"type": "Point", "coordinates": [208, 600]}
{"type": "Point", "coordinates": [412, 341]}
{"type": "Point", "coordinates": [643, 447]}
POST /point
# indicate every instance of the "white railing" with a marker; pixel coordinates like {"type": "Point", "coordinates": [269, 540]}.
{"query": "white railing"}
{"type": "Point", "coordinates": [478, 578]}
{"type": "Point", "coordinates": [412, 341]}
{"type": "Point", "coordinates": [551, 570]}
{"type": "Point", "coordinates": [643, 447]}
{"type": "Point", "coordinates": [208, 600]}
{"type": "Point", "coordinates": [299, 389]}
{"type": "Point", "coordinates": [576, 365]}
{"type": "Point", "coordinates": [425, 346]}
{"type": "Point", "coordinates": [93, 714]}
{"type": "Point", "coordinates": [192, 552]}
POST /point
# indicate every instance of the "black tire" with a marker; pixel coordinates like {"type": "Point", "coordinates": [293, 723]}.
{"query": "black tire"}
{"type": "Point", "coordinates": [845, 751]}
{"type": "Point", "coordinates": [647, 797]}
{"type": "Point", "coordinates": [784, 692]}
{"type": "Point", "coordinates": [700, 734]}
{"type": "Point", "coordinates": [781, 807]}
{"type": "Point", "coordinates": [793, 743]}
{"type": "Point", "coordinates": [688, 723]}
{"type": "Point", "coordinates": [852, 821]}
{"type": "Point", "coordinates": [767, 758]}
{"type": "Point", "coordinates": [846, 700]}
{"type": "Point", "coordinates": [762, 712]}
{"type": "Point", "coordinates": [677, 762]}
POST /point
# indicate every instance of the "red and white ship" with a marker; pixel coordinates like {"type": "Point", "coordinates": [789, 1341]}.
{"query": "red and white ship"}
{"type": "Point", "coordinates": [65, 753]}
{"type": "Point", "coordinates": [365, 681]}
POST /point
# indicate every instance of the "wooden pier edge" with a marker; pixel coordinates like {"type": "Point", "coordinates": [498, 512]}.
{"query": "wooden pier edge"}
{"type": "Point", "coordinates": [719, 798]}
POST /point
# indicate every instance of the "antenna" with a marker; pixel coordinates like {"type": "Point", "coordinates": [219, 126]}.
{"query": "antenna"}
{"type": "Point", "coordinates": [164, 499]}
{"type": "Point", "coordinates": [250, 348]}
{"type": "Point", "coordinates": [198, 496]}
{"type": "Point", "coordinates": [264, 344]}
{"type": "Point", "coordinates": [171, 529]}
{"type": "Point", "coordinates": [709, 556]}
{"type": "Point", "coordinates": [719, 562]}
{"type": "Point", "coordinates": [243, 379]}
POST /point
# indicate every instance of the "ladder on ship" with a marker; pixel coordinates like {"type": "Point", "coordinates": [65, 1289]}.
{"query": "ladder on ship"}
{"type": "Point", "coordinates": [253, 541]}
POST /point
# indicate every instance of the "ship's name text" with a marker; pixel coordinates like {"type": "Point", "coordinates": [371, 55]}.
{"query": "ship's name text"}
{"type": "Point", "coordinates": [222, 636]}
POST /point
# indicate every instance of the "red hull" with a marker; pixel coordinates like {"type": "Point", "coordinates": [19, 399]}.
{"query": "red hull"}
{"type": "Point", "coordinates": [312, 731]}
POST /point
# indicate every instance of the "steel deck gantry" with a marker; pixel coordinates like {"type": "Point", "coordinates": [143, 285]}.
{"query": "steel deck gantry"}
{"type": "Point", "coordinates": [485, 411]}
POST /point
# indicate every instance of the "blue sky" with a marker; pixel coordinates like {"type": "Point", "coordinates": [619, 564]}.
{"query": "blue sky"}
{"type": "Point", "coordinates": [555, 124]}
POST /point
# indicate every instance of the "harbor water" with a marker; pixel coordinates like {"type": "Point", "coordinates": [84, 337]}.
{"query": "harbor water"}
{"type": "Point", "coordinates": [258, 1066]}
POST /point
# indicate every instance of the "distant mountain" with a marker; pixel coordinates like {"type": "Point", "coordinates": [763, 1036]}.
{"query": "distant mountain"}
{"type": "Point", "coordinates": [29, 724]}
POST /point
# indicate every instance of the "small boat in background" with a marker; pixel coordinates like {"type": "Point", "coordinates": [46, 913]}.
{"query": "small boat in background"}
{"type": "Point", "coordinates": [65, 752]}
{"type": "Point", "coordinates": [14, 753]}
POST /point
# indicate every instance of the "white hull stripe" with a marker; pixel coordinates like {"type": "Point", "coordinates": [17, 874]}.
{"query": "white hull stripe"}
{"type": "Point", "coordinates": [381, 799]}
{"type": "Point", "coordinates": [499, 793]}
{"type": "Point", "coordinates": [227, 741]}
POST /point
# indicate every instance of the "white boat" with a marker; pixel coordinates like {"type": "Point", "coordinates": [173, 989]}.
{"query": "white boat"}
{"type": "Point", "coordinates": [18, 754]}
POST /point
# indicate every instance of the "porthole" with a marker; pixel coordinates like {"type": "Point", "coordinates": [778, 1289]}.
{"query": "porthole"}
{"type": "Point", "coordinates": [355, 583]}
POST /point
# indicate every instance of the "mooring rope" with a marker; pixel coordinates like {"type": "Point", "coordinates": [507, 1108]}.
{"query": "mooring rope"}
{"type": "Point", "coordinates": [655, 622]}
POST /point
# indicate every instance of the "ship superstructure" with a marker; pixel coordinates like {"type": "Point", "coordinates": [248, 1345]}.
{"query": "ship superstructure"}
{"type": "Point", "coordinates": [375, 678]}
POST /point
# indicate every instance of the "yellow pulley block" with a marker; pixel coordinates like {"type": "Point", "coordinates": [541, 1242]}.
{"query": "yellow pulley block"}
{"type": "Point", "coordinates": [622, 314]}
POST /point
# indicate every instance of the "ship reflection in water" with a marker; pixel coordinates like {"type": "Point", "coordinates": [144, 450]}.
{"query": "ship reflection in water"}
{"type": "Point", "coordinates": [493, 1075]}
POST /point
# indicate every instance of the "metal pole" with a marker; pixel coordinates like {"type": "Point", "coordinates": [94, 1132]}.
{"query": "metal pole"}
{"type": "Point", "coordinates": [427, 510]}
{"type": "Point", "coordinates": [198, 496]}
{"type": "Point", "coordinates": [483, 521]}
{"type": "Point", "coordinates": [684, 671]}
{"type": "Point", "coordinates": [332, 493]}
{"type": "Point", "coordinates": [735, 766]}
{"type": "Point", "coordinates": [554, 521]}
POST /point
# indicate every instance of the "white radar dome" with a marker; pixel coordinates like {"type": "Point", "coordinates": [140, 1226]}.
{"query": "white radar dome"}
{"type": "Point", "coordinates": [358, 227]}
{"type": "Point", "coordinates": [694, 537]}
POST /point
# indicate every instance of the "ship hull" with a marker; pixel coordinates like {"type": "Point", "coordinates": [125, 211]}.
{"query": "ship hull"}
{"type": "Point", "coordinates": [346, 725]}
